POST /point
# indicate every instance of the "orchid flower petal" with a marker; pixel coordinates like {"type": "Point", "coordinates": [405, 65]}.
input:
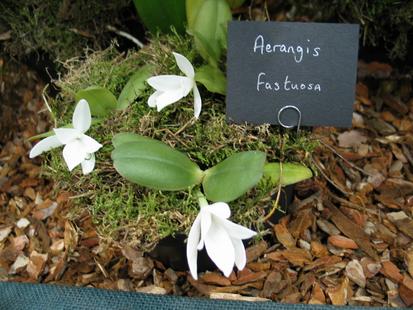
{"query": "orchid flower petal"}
{"type": "Point", "coordinates": [66, 135]}
{"type": "Point", "coordinates": [197, 102]}
{"type": "Point", "coordinates": [237, 231]}
{"type": "Point", "coordinates": [220, 209]}
{"type": "Point", "coordinates": [88, 164]}
{"type": "Point", "coordinates": [153, 98]}
{"type": "Point", "coordinates": [74, 154]}
{"type": "Point", "coordinates": [205, 226]}
{"type": "Point", "coordinates": [191, 247]}
{"type": "Point", "coordinates": [45, 145]}
{"type": "Point", "coordinates": [240, 255]}
{"type": "Point", "coordinates": [81, 116]}
{"type": "Point", "coordinates": [90, 145]}
{"type": "Point", "coordinates": [184, 65]}
{"type": "Point", "coordinates": [220, 249]}
{"type": "Point", "coordinates": [167, 98]}
{"type": "Point", "coordinates": [166, 83]}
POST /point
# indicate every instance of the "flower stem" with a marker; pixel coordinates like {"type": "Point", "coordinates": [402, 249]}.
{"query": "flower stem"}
{"type": "Point", "coordinates": [201, 199]}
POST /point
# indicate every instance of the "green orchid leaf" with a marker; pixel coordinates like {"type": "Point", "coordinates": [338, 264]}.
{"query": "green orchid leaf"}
{"type": "Point", "coordinates": [291, 173]}
{"type": "Point", "coordinates": [212, 78]}
{"type": "Point", "coordinates": [153, 164]}
{"type": "Point", "coordinates": [192, 10]}
{"type": "Point", "coordinates": [134, 87]}
{"type": "Point", "coordinates": [209, 27]}
{"type": "Point", "coordinates": [101, 101]}
{"type": "Point", "coordinates": [127, 137]}
{"type": "Point", "coordinates": [160, 15]}
{"type": "Point", "coordinates": [234, 176]}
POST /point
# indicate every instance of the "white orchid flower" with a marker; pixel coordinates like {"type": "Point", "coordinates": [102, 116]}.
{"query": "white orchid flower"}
{"type": "Point", "coordinates": [221, 237]}
{"type": "Point", "coordinates": [171, 88]}
{"type": "Point", "coordinates": [79, 148]}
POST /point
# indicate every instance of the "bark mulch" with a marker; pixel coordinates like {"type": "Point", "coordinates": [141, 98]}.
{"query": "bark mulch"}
{"type": "Point", "coordinates": [347, 239]}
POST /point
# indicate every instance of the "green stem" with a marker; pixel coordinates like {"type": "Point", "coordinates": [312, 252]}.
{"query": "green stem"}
{"type": "Point", "coordinates": [201, 199]}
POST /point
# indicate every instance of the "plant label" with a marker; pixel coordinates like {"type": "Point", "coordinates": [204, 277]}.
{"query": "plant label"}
{"type": "Point", "coordinates": [309, 66]}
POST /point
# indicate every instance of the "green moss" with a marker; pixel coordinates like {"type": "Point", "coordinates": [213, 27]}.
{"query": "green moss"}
{"type": "Point", "coordinates": [125, 210]}
{"type": "Point", "coordinates": [62, 29]}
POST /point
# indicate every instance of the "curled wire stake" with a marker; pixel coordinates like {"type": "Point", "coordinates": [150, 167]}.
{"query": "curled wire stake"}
{"type": "Point", "coordinates": [289, 126]}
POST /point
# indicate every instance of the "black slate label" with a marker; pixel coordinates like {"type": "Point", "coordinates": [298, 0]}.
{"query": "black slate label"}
{"type": "Point", "coordinates": [311, 66]}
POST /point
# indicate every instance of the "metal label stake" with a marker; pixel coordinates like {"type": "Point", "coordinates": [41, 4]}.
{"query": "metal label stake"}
{"type": "Point", "coordinates": [289, 126]}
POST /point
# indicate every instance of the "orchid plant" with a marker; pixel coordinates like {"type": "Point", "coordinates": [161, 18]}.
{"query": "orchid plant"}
{"type": "Point", "coordinates": [155, 165]}
{"type": "Point", "coordinates": [79, 148]}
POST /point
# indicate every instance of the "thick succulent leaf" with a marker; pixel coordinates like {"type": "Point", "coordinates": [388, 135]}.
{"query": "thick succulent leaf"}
{"type": "Point", "coordinates": [154, 164]}
{"type": "Point", "coordinates": [134, 87]}
{"type": "Point", "coordinates": [291, 173]}
{"type": "Point", "coordinates": [101, 101]}
{"type": "Point", "coordinates": [160, 15]}
{"type": "Point", "coordinates": [212, 78]}
{"type": "Point", "coordinates": [234, 176]}
{"type": "Point", "coordinates": [210, 25]}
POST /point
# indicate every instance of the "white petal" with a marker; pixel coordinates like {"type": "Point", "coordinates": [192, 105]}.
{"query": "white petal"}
{"type": "Point", "coordinates": [191, 250]}
{"type": "Point", "coordinates": [237, 231]}
{"type": "Point", "coordinates": [152, 98]}
{"type": "Point", "coordinates": [65, 135]}
{"type": "Point", "coordinates": [197, 102]}
{"type": "Point", "coordinates": [220, 249]}
{"type": "Point", "coordinates": [184, 65]}
{"type": "Point", "coordinates": [205, 225]}
{"type": "Point", "coordinates": [74, 154]}
{"type": "Point", "coordinates": [88, 164]}
{"type": "Point", "coordinates": [220, 209]}
{"type": "Point", "coordinates": [45, 145]}
{"type": "Point", "coordinates": [168, 82]}
{"type": "Point", "coordinates": [240, 256]}
{"type": "Point", "coordinates": [81, 116]}
{"type": "Point", "coordinates": [167, 98]}
{"type": "Point", "coordinates": [90, 145]}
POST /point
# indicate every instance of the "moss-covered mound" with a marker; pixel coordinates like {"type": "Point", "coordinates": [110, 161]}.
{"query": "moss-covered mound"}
{"type": "Point", "coordinates": [126, 210]}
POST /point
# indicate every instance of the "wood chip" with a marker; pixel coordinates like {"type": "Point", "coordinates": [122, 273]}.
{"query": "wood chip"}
{"type": "Point", "coordinates": [327, 227]}
{"type": "Point", "coordinates": [391, 271]}
{"type": "Point", "coordinates": [296, 256]}
{"type": "Point", "coordinates": [317, 295]}
{"type": "Point", "coordinates": [351, 230]}
{"type": "Point", "coordinates": [20, 263]}
{"type": "Point", "coordinates": [140, 268]}
{"type": "Point", "coordinates": [152, 289]}
{"type": "Point", "coordinates": [339, 294]}
{"type": "Point", "coordinates": [342, 242]}
{"type": "Point", "coordinates": [23, 223]}
{"type": "Point", "coordinates": [370, 267]}
{"type": "Point", "coordinates": [318, 249]}
{"type": "Point", "coordinates": [256, 251]}
{"type": "Point", "coordinates": [284, 236]}
{"type": "Point", "coordinates": [4, 232]}
{"type": "Point", "coordinates": [36, 264]}
{"type": "Point", "coordinates": [229, 296]}
{"type": "Point", "coordinates": [354, 271]}
{"type": "Point", "coordinates": [215, 279]}
{"type": "Point", "coordinates": [273, 285]}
